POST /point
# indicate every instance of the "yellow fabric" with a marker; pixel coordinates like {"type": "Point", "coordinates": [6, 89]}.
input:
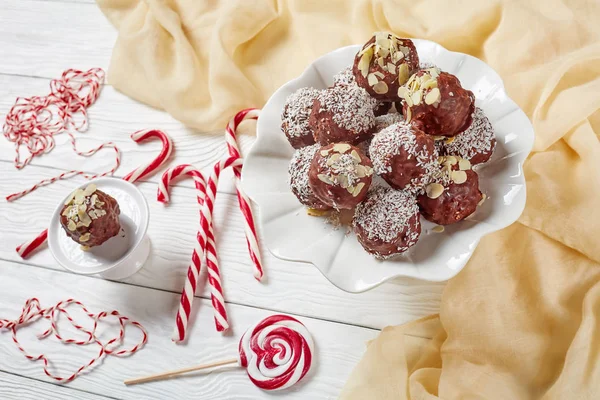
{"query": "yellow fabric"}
{"type": "Point", "coordinates": [521, 320]}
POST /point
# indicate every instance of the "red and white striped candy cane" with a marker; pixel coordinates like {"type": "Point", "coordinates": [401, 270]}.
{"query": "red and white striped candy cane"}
{"type": "Point", "coordinates": [205, 245]}
{"type": "Point", "coordinates": [167, 148]}
{"type": "Point", "coordinates": [244, 201]}
{"type": "Point", "coordinates": [187, 296]}
{"type": "Point", "coordinates": [32, 311]}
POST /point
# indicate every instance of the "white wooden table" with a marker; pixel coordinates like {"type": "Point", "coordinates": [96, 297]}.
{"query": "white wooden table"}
{"type": "Point", "coordinates": [38, 40]}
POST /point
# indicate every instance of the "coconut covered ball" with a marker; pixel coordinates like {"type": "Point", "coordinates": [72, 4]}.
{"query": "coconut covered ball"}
{"type": "Point", "coordinates": [90, 217]}
{"type": "Point", "coordinates": [346, 78]}
{"type": "Point", "coordinates": [298, 177]}
{"type": "Point", "coordinates": [476, 144]}
{"type": "Point", "coordinates": [403, 156]}
{"type": "Point", "coordinates": [437, 103]}
{"type": "Point", "coordinates": [294, 119]}
{"type": "Point", "coordinates": [387, 223]}
{"type": "Point", "coordinates": [454, 193]}
{"type": "Point", "coordinates": [342, 114]}
{"type": "Point", "coordinates": [340, 175]}
{"type": "Point", "coordinates": [384, 64]}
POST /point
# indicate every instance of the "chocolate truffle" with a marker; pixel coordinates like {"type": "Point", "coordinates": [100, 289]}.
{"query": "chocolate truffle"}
{"type": "Point", "coordinates": [383, 121]}
{"type": "Point", "coordinates": [294, 119]}
{"type": "Point", "coordinates": [454, 193]}
{"type": "Point", "coordinates": [384, 64]}
{"type": "Point", "coordinates": [90, 217]}
{"type": "Point", "coordinates": [387, 223]}
{"type": "Point", "coordinates": [298, 170]}
{"type": "Point", "coordinates": [404, 156]}
{"type": "Point", "coordinates": [437, 102]}
{"type": "Point", "coordinates": [340, 175]}
{"type": "Point", "coordinates": [346, 78]}
{"type": "Point", "coordinates": [342, 114]}
{"type": "Point", "coordinates": [476, 144]}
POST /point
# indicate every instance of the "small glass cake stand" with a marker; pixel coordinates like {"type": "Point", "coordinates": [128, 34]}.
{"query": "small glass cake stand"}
{"type": "Point", "coordinates": [120, 256]}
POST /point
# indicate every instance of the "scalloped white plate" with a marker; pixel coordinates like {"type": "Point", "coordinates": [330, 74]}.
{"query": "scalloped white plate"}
{"type": "Point", "coordinates": [291, 234]}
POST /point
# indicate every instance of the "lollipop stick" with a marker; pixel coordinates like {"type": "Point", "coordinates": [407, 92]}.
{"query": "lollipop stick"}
{"type": "Point", "coordinates": [180, 371]}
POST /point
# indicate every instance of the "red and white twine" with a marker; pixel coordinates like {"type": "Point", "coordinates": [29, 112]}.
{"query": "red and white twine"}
{"type": "Point", "coordinates": [32, 312]}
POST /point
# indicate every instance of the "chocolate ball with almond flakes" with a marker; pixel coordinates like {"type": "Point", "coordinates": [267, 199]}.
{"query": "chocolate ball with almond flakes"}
{"type": "Point", "coordinates": [387, 222]}
{"type": "Point", "coordinates": [340, 175]}
{"type": "Point", "coordinates": [384, 64]}
{"type": "Point", "coordinates": [437, 103]}
{"type": "Point", "coordinates": [453, 194]}
{"type": "Point", "coordinates": [90, 217]}
{"type": "Point", "coordinates": [342, 114]}
{"type": "Point", "coordinates": [403, 156]}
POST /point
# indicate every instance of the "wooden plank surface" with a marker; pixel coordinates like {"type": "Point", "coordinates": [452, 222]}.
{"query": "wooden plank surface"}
{"type": "Point", "coordinates": [15, 386]}
{"type": "Point", "coordinates": [155, 309]}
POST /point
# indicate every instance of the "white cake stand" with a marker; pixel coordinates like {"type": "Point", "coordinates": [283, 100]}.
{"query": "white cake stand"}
{"type": "Point", "coordinates": [117, 258]}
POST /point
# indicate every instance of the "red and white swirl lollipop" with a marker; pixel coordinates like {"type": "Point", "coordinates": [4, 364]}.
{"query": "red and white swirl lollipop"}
{"type": "Point", "coordinates": [277, 352]}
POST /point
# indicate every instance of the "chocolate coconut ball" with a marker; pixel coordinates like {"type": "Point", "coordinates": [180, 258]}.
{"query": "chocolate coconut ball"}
{"type": "Point", "coordinates": [90, 217]}
{"type": "Point", "coordinates": [437, 102]}
{"type": "Point", "coordinates": [342, 114]}
{"type": "Point", "coordinates": [403, 156]}
{"type": "Point", "coordinates": [387, 223]}
{"type": "Point", "coordinates": [298, 171]}
{"type": "Point", "coordinates": [476, 144]}
{"type": "Point", "coordinates": [453, 195]}
{"type": "Point", "coordinates": [383, 121]}
{"type": "Point", "coordinates": [340, 175]}
{"type": "Point", "coordinates": [384, 64]}
{"type": "Point", "coordinates": [294, 119]}
{"type": "Point", "coordinates": [346, 78]}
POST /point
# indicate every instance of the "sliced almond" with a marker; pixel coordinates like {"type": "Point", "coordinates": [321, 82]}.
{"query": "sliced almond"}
{"type": "Point", "coordinates": [325, 152]}
{"type": "Point", "coordinates": [408, 100]}
{"type": "Point", "coordinates": [85, 220]}
{"type": "Point", "coordinates": [79, 197]}
{"type": "Point", "coordinates": [357, 189]}
{"type": "Point", "coordinates": [459, 177]}
{"type": "Point", "coordinates": [464, 164]}
{"type": "Point", "coordinates": [372, 79]}
{"type": "Point", "coordinates": [85, 248]}
{"type": "Point", "coordinates": [92, 214]}
{"type": "Point", "coordinates": [438, 229]}
{"type": "Point", "coordinates": [100, 213]}
{"type": "Point", "coordinates": [434, 72]}
{"type": "Point", "coordinates": [90, 189]}
{"type": "Point", "coordinates": [383, 42]}
{"type": "Point", "coordinates": [432, 83]}
{"type": "Point", "coordinates": [438, 138]}
{"type": "Point", "coordinates": [434, 190]}
{"type": "Point", "coordinates": [398, 55]}
{"type": "Point", "coordinates": [404, 49]}
{"type": "Point", "coordinates": [365, 62]}
{"type": "Point", "coordinates": [325, 178]}
{"type": "Point", "coordinates": [379, 74]}
{"type": "Point", "coordinates": [71, 225]}
{"type": "Point", "coordinates": [380, 88]}
{"type": "Point", "coordinates": [355, 155]}
{"type": "Point", "coordinates": [333, 159]}
{"type": "Point", "coordinates": [70, 198]}
{"type": "Point", "coordinates": [85, 237]}
{"type": "Point", "coordinates": [341, 147]}
{"type": "Point", "coordinates": [402, 92]}
{"type": "Point", "coordinates": [342, 180]}
{"type": "Point", "coordinates": [408, 115]}
{"type": "Point", "coordinates": [403, 73]}
{"type": "Point", "coordinates": [380, 62]}
{"type": "Point", "coordinates": [483, 199]}
{"type": "Point", "coordinates": [67, 211]}
{"type": "Point", "coordinates": [416, 97]}
{"type": "Point", "coordinates": [313, 212]}
{"type": "Point", "coordinates": [365, 49]}
{"type": "Point", "coordinates": [433, 96]}
{"type": "Point", "coordinates": [451, 160]}
{"type": "Point", "coordinates": [383, 52]}
{"type": "Point", "coordinates": [391, 68]}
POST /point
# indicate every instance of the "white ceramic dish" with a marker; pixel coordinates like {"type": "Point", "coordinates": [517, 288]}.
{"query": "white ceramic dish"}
{"type": "Point", "coordinates": [118, 257]}
{"type": "Point", "coordinates": [291, 234]}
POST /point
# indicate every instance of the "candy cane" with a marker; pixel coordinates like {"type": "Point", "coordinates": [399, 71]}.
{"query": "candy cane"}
{"type": "Point", "coordinates": [205, 243]}
{"type": "Point", "coordinates": [32, 311]}
{"type": "Point", "coordinates": [249, 226]}
{"type": "Point", "coordinates": [167, 147]}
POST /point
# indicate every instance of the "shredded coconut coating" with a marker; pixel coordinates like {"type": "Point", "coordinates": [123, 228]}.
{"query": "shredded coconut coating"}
{"type": "Point", "coordinates": [351, 106]}
{"type": "Point", "coordinates": [386, 213]}
{"type": "Point", "coordinates": [384, 121]}
{"type": "Point", "coordinates": [298, 173]}
{"type": "Point", "coordinates": [387, 144]}
{"type": "Point", "coordinates": [345, 77]}
{"type": "Point", "coordinates": [477, 139]}
{"type": "Point", "coordinates": [297, 108]}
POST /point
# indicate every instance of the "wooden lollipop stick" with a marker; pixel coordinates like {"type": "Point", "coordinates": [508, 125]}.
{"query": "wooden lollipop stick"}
{"type": "Point", "coordinates": [170, 374]}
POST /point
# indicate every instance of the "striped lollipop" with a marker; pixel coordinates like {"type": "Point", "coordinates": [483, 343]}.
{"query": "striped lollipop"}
{"type": "Point", "coordinates": [277, 352]}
